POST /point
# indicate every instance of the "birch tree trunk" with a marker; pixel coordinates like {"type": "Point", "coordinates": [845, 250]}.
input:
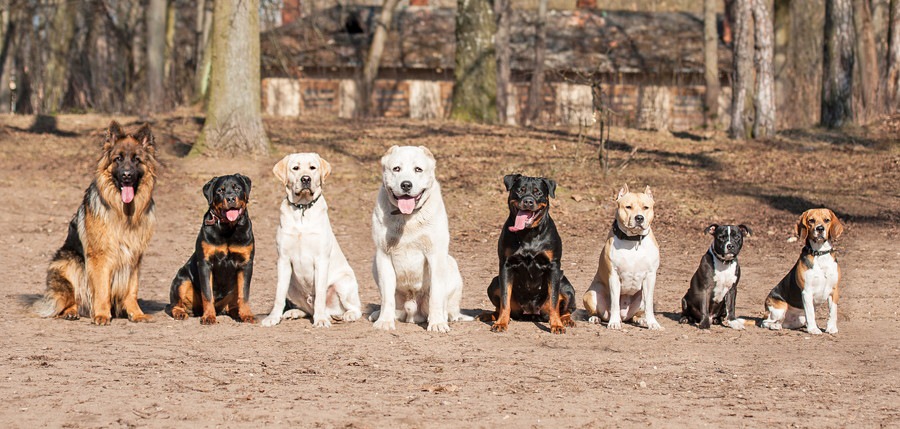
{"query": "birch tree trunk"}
{"type": "Point", "coordinates": [204, 59]}
{"type": "Point", "coordinates": [502, 10]}
{"type": "Point", "coordinates": [742, 73]}
{"type": "Point", "coordinates": [233, 119]}
{"type": "Point", "coordinates": [764, 95]}
{"type": "Point", "coordinates": [536, 89]}
{"type": "Point", "coordinates": [373, 59]}
{"type": "Point", "coordinates": [475, 72]}
{"type": "Point", "coordinates": [156, 55]}
{"type": "Point", "coordinates": [711, 64]}
{"type": "Point", "coordinates": [893, 59]}
{"type": "Point", "coordinates": [837, 77]}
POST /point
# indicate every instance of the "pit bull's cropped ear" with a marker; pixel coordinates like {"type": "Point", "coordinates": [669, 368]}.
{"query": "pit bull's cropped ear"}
{"type": "Point", "coordinates": [648, 191]}
{"type": "Point", "coordinates": [622, 192]}
{"type": "Point", "coordinates": [208, 190]}
{"type": "Point", "coordinates": [280, 170]}
{"type": "Point", "coordinates": [246, 182]}
{"type": "Point", "coordinates": [802, 229]}
{"type": "Point", "coordinates": [113, 133]}
{"type": "Point", "coordinates": [510, 179]}
{"type": "Point", "coordinates": [745, 230]}
{"type": "Point", "coordinates": [711, 229]}
{"type": "Point", "coordinates": [427, 152]}
{"type": "Point", "coordinates": [551, 186]}
{"type": "Point", "coordinates": [145, 136]}
{"type": "Point", "coordinates": [325, 166]}
{"type": "Point", "coordinates": [836, 228]}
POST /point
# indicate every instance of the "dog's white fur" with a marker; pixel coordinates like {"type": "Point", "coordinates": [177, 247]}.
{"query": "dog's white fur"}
{"type": "Point", "coordinates": [312, 269]}
{"type": "Point", "coordinates": [416, 276]}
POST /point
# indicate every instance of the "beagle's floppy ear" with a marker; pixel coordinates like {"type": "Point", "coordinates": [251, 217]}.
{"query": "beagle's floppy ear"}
{"type": "Point", "coordinates": [510, 179]}
{"type": "Point", "coordinates": [802, 228]}
{"type": "Point", "coordinates": [280, 170]}
{"type": "Point", "coordinates": [208, 190]}
{"type": "Point", "coordinates": [711, 229]}
{"type": "Point", "coordinates": [745, 230]}
{"type": "Point", "coordinates": [325, 166]}
{"type": "Point", "coordinates": [836, 228]}
{"type": "Point", "coordinates": [622, 192]}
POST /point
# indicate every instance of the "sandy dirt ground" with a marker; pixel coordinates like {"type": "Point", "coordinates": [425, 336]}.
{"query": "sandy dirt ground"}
{"type": "Point", "coordinates": [174, 374]}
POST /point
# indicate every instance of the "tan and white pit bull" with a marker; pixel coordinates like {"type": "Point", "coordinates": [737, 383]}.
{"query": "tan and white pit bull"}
{"type": "Point", "coordinates": [626, 275]}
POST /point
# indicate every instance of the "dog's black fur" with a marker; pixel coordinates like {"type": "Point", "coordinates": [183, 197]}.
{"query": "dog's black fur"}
{"type": "Point", "coordinates": [699, 305]}
{"type": "Point", "coordinates": [217, 276]}
{"type": "Point", "coordinates": [530, 261]}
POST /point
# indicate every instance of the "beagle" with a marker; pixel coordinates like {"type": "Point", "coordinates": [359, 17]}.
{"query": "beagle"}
{"type": "Point", "coordinates": [813, 279]}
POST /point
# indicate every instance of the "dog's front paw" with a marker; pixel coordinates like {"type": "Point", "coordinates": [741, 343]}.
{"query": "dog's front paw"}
{"type": "Point", "coordinates": [814, 330]}
{"type": "Point", "coordinates": [321, 322]}
{"type": "Point", "coordinates": [208, 319]}
{"type": "Point", "coordinates": [178, 313]}
{"type": "Point", "coordinates": [614, 324]}
{"type": "Point", "coordinates": [831, 329]}
{"type": "Point", "coordinates": [384, 325]}
{"type": "Point", "coordinates": [247, 318]}
{"type": "Point", "coordinates": [558, 329]}
{"type": "Point", "coordinates": [443, 327]}
{"type": "Point", "coordinates": [70, 313]}
{"type": "Point", "coordinates": [271, 320]}
{"type": "Point", "coordinates": [594, 319]}
{"type": "Point", "coordinates": [653, 325]}
{"type": "Point", "coordinates": [101, 320]}
{"type": "Point", "coordinates": [736, 324]}
{"type": "Point", "coordinates": [351, 315]}
{"type": "Point", "coordinates": [499, 327]}
{"type": "Point", "coordinates": [567, 321]}
{"type": "Point", "coordinates": [293, 314]}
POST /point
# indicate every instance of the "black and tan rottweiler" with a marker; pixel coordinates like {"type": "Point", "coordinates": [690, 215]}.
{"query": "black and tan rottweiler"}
{"type": "Point", "coordinates": [533, 284]}
{"type": "Point", "coordinates": [216, 279]}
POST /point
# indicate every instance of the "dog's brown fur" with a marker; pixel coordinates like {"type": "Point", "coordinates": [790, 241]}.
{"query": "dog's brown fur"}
{"type": "Point", "coordinates": [96, 271]}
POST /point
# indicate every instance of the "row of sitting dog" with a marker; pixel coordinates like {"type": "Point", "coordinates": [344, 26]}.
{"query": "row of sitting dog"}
{"type": "Point", "coordinates": [95, 272]}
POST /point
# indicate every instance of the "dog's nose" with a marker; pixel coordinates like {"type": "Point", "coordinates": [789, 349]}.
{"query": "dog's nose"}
{"type": "Point", "coordinates": [729, 246]}
{"type": "Point", "coordinates": [639, 219]}
{"type": "Point", "coordinates": [230, 199]}
{"type": "Point", "coordinates": [305, 180]}
{"type": "Point", "coordinates": [528, 203]}
{"type": "Point", "coordinates": [820, 228]}
{"type": "Point", "coordinates": [127, 175]}
{"type": "Point", "coordinates": [406, 185]}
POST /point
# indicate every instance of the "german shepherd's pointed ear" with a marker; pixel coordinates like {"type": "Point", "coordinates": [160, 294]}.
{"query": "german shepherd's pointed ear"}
{"type": "Point", "coordinates": [145, 136]}
{"type": "Point", "coordinates": [280, 169]}
{"type": "Point", "coordinates": [510, 179]}
{"type": "Point", "coordinates": [745, 230]}
{"type": "Point", "coordinates": [836, 228]}
{"type": "Point", "coordinates": [551, 185]}
{"type": "Point", "coordinates": [208, 190]}
{"type": "Point", "coordinates": [245, 181]}
{"type": "Point", "coordinates": [802, 229]}
{"type": "Point", "coordinates": [711, 229]}
{"type": "Point", "coordinates": [622, 192]}
{"type": "Point", "coordinates": [114, 132]}
{"type": "Point", "coordinates": [325, 166]}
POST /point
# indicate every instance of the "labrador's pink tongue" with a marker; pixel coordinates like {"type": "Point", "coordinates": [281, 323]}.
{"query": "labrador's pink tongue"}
{"type": "Point", "coordinates": [127, 194]}
{"type": "Point", "coordinates": [521, 218]}
{"type": "Point", "coordinates": [232, 214]}
{"type": "Point", "coordinates": [406, 204]}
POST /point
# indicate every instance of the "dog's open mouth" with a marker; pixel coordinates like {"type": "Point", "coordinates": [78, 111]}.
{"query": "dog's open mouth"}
{"type": "Point", "coordinates": [127, 193]}
{"type": "Point", "coordinates": [523, 219]}
{"type": "Point", "coordinates": [233, 214]}
{"type": "Point", "coordinates": [407, 203]}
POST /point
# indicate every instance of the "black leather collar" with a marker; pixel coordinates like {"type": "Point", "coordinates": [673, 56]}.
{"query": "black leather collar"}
{"type": "Point", "coordinates": [213, 221]}
{"type": "Point", "coordinates": [304, 207]}
{"type": "Point", "coordinates": [808, 250]}
{"type": "Point", "coordinates": [719, 257]}
{"type": "Point", "coordinates": [622, 236]}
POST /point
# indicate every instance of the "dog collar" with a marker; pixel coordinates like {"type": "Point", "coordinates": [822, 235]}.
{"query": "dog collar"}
{"type": "Point", "coordinates": [808, 250]}
{"type": "Point", "coordinates": [215, 219]}
{"type": "Point", "coordinates": [621, 235]}
{"type": "Point", "coordinates": [304, 207]}
{"type": "Point", "coordinates": [721, 258]}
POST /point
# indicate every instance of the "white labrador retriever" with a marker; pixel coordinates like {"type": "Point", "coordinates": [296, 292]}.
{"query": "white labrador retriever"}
{"type": "Point", "coordinates": [312, 270]}
{"type": "Point", "coordinates": [416, 276]}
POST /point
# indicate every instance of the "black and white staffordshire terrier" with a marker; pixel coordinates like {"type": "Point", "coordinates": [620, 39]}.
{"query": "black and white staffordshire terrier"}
{"type": "Point", "coordinates": [713, 290]}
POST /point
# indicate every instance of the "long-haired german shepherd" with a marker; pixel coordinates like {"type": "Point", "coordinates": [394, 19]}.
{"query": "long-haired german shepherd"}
{"type": "Point", "coordinates": [95, 272]}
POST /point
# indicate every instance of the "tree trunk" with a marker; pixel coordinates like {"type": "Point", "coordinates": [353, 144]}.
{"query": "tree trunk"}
{"type": "Point", "coordinates": [742, 73]}
{"type": "Point", "coordinates": [503, 11]}
{"type": "Point", "coordinates": [7, 35]}
{"type": "Point", "coordinates": [764, 95]}
{"type": "Point", "coordinates": [893, 59]}
{"type": "Point", "coordinates": [203, 57]}
{"type": "Point", "coordinates": [233, 120]}
{"type": "Point", "coordinates": [373, 60]}
{"type": "Point", "coordinates": [536, 89]}
{"type": "Point", "coordinates": [475, 72]}
{"type": "Point", "coordinates": [711, 64]}
{"type": "Point", "coordinates": [55, 79]}
{"type": "Point", "coordinates": [169, 69]}
{"type": "Point", "coordinates": [866, 79]}
{"type": "Point", "coordinates": [156, 55]}
{"type": "Point", "coordinates": [837, 78]}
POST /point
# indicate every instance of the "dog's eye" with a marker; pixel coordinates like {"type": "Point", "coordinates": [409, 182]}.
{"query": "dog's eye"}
{"type": "Point", "coordinates": [418, 169]}
{"type": "Point", "coordinates": [312, 167]}
{"type": "Point", "coordinates": [628, 207]}
{"type": "Point", "coordinates": [119, 158]}
{"type": "Point", "coordinates": [296, 167]}
{"type": "Point", "coordinates": [396, 169]}
{"type": "Point", "coordinates": [646, 208]}
{"type": "Point", "coordinates": [826, 220]}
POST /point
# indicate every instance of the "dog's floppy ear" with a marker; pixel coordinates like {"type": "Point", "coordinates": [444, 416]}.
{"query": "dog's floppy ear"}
{"type": "Point", "coordinates": [745, 230]}
{"type": "Point", "coordinates": [245, 181]}
{"type": "Point", "coordinates": [551, 185]}
{"type": "Point", "coordinates": [427, 152]}
{"type": "Point", "coordinates": [510, 179]}
{"type": "Point", "coordinates": [802, 229]}
{"type": "Point", "coordinates": [145, 136]}
{"type": "Point", "coordinates": [325, 166]}
{"type": "Point", "coordinates": [387, 154]}
{"type": "Point", "coordinates": [836, 228]}
{"type": "Point", "coordinates": [711, 229]}
{"type": "Point", "coordinates": [208, 190]}
{"type": "Point", "coordinates": [280, 170]}
{"type": "Point", "coordinates": [622, 192]}
{"type": "Point", "coordinates": [648, 191]}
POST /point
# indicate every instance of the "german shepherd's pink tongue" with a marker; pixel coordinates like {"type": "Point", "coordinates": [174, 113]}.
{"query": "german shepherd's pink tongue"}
{"type": "Point", "coordinates": [406, 204]}
{"type": "Point", "coordinates": [522, 217]}
{"type": "Point", "coordinates": [232, 214]}
{"type": "Point", "coordinates": [127, 194]}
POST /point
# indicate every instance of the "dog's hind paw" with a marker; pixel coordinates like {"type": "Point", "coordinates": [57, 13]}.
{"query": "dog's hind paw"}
{"type": "Point", "coordinates": [461, 318]}
{"type": "Point", "coordinates": [141, 318]}
{"type": "Point", "coordinates": [351, 315]}
{"type": "Point", "coordinates": [293, 314]}
{"type": "Point", "coordinates": [594, 319]}
{"type": "Point", "coordinates": [439, 327]}
{"type": "Point", "coordinates": [736, 324]}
